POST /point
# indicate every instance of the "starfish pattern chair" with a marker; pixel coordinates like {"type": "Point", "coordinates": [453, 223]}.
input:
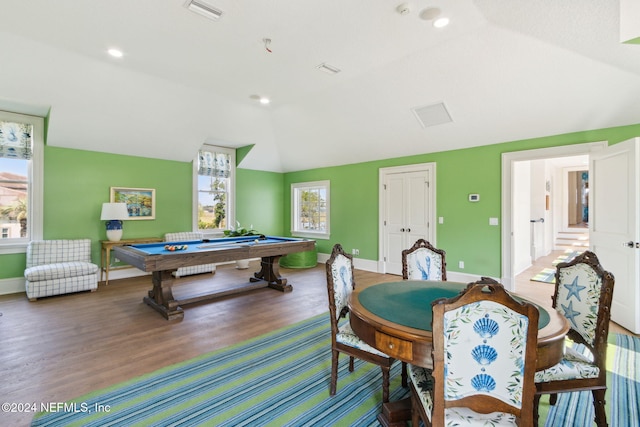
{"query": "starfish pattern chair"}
{"type": "Point", "coordinates": [340, 285]}
{"type": "Point", "coordinates": [583, 295]}
{"type": "Point", "coordinates": [484, 359]}
{"type": "Point", "coordinates": [423, 261]}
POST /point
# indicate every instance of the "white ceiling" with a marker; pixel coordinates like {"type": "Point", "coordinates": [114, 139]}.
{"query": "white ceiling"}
{"type": "Point", "coordinates": [505, 69]}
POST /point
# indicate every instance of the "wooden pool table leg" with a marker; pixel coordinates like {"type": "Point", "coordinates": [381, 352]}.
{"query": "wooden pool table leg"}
{"type": "Point", "coordinates": [161, 298]}
{"type": "Point", "coordinates": [270, 272]}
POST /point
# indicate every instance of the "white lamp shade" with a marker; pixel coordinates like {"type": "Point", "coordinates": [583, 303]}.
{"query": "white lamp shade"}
{"type": "Point", "coordinates": [114, 211]}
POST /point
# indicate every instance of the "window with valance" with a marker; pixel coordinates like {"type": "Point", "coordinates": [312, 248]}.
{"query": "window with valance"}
{"type": "Point", "coordinates": [215, 170]}
{"type": "Point", "coordinates": [20, 180]}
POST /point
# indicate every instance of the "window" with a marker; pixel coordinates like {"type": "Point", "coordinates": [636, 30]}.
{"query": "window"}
{"type": "Point", "coordinates": [21, 159]}
{"type": "Point", "coordinates": [310, 209]}
{"type": "Point", "coordinates": [214, 174]}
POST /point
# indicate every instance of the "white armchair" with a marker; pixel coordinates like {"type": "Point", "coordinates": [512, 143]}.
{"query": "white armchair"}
{"type": "Point", "coordinates": [194, 269]}
{"type": "Point", "coordinates": [57, 267]}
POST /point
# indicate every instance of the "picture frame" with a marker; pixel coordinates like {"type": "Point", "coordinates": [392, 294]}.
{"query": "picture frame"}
{"type": "Point", "coordinates": [141, 202]}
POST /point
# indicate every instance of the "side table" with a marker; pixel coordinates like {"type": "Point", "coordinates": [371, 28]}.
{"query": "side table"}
{"type": "Point", "coordinates": [107, 246]}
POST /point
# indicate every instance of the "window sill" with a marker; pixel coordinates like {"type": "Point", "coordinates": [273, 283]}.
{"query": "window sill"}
{"type": "Point", "coordinates": [309, 235]}
{"type": "Point", "coordinates": [13, 248]}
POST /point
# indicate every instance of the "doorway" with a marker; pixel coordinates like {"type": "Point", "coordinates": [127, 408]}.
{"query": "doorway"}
{"type": "Point", "coordinates": [545, 191]}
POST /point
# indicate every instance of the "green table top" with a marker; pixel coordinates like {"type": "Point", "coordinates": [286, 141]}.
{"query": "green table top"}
{"type": "Point", "coordinates": [408, 303]}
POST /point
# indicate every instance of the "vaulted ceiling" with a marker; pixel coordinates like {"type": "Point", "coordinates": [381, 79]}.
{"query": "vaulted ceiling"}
{"type": "Point", "coordinates": [504, 69]}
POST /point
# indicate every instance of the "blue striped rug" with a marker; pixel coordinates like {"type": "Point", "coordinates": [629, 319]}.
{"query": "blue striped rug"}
{"type": "Point", "coordinates": [282, 379]}
{"type": "Point", "coordinates": [623, 392]}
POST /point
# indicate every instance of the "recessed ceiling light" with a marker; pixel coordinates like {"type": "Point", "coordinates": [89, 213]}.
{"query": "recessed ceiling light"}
{"type": "Point", "coordinates": [204, 9]}
{"type": "Point", "coordinates": [441, 22]}
{"type": "Point", "coordinates": [261, 99]}
{"type": "Point", "coordinates": [116, 53]}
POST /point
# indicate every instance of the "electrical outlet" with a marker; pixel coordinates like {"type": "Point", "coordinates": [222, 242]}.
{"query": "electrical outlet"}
{"type": "Point", "coordinates": [355, 252]}
{"type": "Point", "coordinates": [461, 264]}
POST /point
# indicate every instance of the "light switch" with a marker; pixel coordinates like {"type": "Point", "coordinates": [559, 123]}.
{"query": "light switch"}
{"type": "Point", "coordinates": [441, 219]}
{"type": "Point", "coordinates": [493, 221]}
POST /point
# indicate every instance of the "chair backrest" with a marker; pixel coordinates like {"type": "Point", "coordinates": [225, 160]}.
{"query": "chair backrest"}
{"type": "Point", "coordinates": [340, 283]}
{"type": "Point", "coordinates": [42, 252]}
{"type": "Point", "coordinates": [583, 295]}
{"type": "Point", "coordinates": [422, 261]}
{"type": "Point", "coordinates": [182, 236]}
{"type": "Point", "coordinates": [484, 352]}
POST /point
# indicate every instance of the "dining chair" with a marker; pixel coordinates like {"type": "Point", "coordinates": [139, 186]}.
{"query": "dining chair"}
{"type": "Point", "coordinates": [484, 360]}
{"type": "Point", "coordinates": [423, 261]}
{"type": "Point", "coordinates": [583, 294]}
{"type": "Point", "coordinates": [340, 285]}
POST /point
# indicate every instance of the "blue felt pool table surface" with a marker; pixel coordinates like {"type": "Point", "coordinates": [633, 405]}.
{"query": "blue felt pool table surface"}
{"type": "Point", "coordinates": [210, 244]}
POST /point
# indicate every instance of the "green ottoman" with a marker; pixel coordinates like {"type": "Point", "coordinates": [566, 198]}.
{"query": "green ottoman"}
{"type": "Point", "coordinates": [305, 259]}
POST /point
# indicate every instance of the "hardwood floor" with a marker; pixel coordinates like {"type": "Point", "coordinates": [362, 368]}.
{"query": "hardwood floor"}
{"type": "Point", "coordinates": [59, 348]}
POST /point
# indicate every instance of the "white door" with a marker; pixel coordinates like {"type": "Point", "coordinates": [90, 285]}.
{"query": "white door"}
{"type": "Point", "coordinates": [614, 225]}
{"type": "Point", "coordinates": [406, 212]}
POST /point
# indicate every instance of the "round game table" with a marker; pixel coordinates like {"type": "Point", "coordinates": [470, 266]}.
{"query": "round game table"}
{"type": "Point", "coordinates": [395, 318]}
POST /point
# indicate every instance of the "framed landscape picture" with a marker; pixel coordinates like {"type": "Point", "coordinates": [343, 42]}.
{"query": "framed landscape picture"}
{"type": "Point", "coordinates": [141, 202]}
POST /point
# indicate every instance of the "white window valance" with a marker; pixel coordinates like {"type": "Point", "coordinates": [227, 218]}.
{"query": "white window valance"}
{"type": "Point", "coordinates": [214, 164]}
{"type": "Point", "coordinates": [15, 140]}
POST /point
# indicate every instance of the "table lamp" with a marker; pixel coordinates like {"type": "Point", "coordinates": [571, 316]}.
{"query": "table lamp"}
{"type": "Point", "coordinates": [114, 213]}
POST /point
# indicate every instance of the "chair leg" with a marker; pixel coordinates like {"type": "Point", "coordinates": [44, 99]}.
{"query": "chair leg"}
{"type": "Point", "coordinates": [385, 384]}
{"type": "Point", "coordinates": [536, 414]}
{"type": "Point", "coordinates": [351, 363]}
{"type": "Point", "coordinates": [553, 398]}
{"type": "Point", "coordinates": [415, 412]}
{"type": "Point", "coordinates": [334, 371]}
{"type": "Point", "coordinates": [404, 374]}
{"type": "Point", "coordinates": [598, 406]}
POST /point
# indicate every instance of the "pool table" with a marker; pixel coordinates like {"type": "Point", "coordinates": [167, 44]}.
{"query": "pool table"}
{"type": "Point", "coordinates": [161, 259]}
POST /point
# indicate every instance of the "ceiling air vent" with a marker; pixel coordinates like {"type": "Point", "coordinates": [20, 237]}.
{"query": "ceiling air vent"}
{"type": "Point", "coordinates": [204, 9]}
{"type": "Point", "coordinates": [431, 115]}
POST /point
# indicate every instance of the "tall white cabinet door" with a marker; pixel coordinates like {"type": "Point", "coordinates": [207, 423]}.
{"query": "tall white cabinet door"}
{"type": "Point", "coordinates": [407, 213]}
{"type": "Point", "coordinates": [614, 225]}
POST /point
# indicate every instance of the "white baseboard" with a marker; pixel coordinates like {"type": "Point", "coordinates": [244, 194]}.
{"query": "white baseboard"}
{"type": "Point", "coordinates": [12, 285]}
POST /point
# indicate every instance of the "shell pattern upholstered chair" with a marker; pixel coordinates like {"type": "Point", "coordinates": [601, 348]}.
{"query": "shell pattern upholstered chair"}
{"type": "Point", "coordinates": [583, 295]}
{"type": "Point", "coordinates": [193, 269]}
{"type": "Point", "coordinates": [340, 285]}
{"type": "Point", "coordinates": [422, 261]}
{"type": "Point", "coordinates": [484, 360]}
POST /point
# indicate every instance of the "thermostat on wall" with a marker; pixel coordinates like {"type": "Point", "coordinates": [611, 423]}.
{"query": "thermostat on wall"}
{"type": "Point", "coordinates": [474, 197]}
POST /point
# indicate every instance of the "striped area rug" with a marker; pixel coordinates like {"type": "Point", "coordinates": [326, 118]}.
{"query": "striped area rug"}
{"type": "Point", "coordinates": [548, 275]}
{"type": "Point", "coordinates": [622, 397]}
{"type": "Point", "coordinates": [282, 379]}
{"type": "Point", "coordinates": [279, 379]}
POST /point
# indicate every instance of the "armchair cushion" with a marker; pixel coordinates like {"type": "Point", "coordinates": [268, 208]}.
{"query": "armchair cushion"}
{"type": "Point", "coordinates": [59, 270]}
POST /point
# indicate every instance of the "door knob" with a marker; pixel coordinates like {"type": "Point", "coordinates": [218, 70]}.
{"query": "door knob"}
{"type": "Point", "coordinates": [402, 229]}
{"type": "Point", "coordinates": [631, 244]}
{"type": "Point", "coordinates": [408, 230]}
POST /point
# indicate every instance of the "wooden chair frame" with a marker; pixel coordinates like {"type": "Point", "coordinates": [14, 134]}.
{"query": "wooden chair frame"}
{"type": "Point", "coordinates": [385, 363]}
{"type": "Point", "coordinates": [420, 244]}
{"type": "Point", "coordinates": [485, 289]}
{"type": "Point", "coordinates": [598, 386]}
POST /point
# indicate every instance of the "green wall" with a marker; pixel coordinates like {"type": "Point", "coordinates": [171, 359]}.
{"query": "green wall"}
{"type": "Point", "coordinates": [466, 234]}
{"type": "Point", "coordinates": [77, 182]}
{"type": "Point", "coordinates": [259, 201]}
